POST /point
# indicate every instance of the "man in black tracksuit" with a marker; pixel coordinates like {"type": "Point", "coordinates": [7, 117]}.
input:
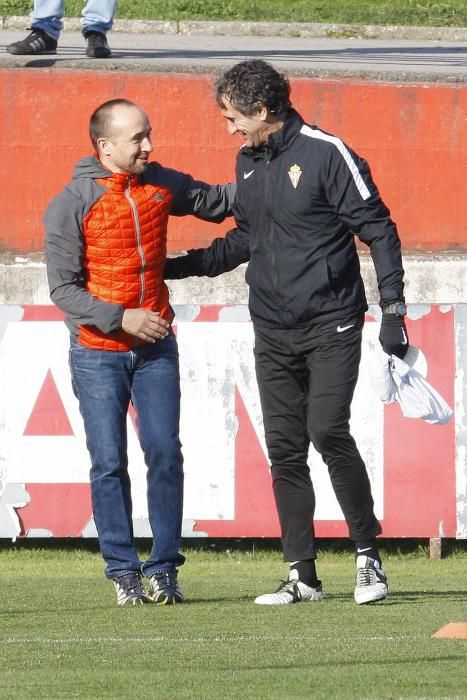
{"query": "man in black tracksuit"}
{"type": "Point", "coordinates": [302, 195]}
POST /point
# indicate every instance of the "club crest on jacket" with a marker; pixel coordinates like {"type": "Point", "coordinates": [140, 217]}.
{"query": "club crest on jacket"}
{"type": "Point", "coordinates": [295, 174]}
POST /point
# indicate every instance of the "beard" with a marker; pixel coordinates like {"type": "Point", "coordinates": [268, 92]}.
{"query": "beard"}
{"type": "Point", "coordinates": [138, 167]}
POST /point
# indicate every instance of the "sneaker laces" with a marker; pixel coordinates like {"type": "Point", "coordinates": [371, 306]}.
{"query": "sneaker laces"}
{"type": "Point", "coordinates": [40, 33]}
{"type": "Point", "coordinates": [131, 583]}
{"type": "Point", "coordinates": [286, 585]}
{"type": "Point", "coordinates": [366, 576]}
{"type": "Point", "coordinates": [290, 587]}
{"type": "Point", "coordinates": [167, 578]}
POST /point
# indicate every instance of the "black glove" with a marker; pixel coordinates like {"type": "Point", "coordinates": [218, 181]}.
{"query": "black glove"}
{"type": "Point", "coordinates": [183, 266]}
{"type": "Point", "coordinates": [393, 335]}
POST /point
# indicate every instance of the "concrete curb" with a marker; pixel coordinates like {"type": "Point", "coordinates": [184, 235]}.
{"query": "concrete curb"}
{"type": "Point", "coordinates": [293, 29]}
{"type": "Point", "coordinates": [431, 278]}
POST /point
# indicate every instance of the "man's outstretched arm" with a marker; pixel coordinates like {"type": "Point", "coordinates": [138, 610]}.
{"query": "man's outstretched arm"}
{"type": "Point", "coordinates": [208, 202]}
{"type": "Point", "coordinates": [223, 255]}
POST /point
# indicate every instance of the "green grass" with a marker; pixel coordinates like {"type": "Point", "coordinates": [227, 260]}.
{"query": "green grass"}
{"type": "Point", "coordinates": [62, 635]}
{"type": "Point", "coordinates": [403, 12]}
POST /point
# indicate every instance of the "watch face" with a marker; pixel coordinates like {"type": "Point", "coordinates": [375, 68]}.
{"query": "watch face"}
{"type": "Point", "coordinates": [398, 308]}
{"type": "Point", "coordinates": [401, 309]}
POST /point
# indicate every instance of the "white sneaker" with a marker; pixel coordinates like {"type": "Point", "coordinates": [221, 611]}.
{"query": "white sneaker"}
{"type": "Point", "coordinates": [291, 591]}
{"type": "Point", "coordinates": [371, 583]}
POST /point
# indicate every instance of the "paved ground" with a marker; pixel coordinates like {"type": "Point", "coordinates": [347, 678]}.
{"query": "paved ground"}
{"type": "Point", "coordinates": [388, 59]}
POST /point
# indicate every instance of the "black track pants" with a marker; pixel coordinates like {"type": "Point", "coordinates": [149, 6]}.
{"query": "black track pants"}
{"type": "Point", "coordinates": [306, 380]}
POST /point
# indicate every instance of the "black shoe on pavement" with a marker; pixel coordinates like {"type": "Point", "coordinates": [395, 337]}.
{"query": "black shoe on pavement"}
{"type": "Point", "coordinates": [97, 45]}
{"type": "Point", "coordinates": [37, 42]}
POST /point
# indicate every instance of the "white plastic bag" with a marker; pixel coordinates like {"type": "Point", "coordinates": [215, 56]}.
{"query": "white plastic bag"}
{"type": "Point", "coordinates": [394, 379]}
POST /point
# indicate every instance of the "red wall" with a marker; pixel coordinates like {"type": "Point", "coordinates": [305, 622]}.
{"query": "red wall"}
{"type": "Point", "coordinates": [413, 136]}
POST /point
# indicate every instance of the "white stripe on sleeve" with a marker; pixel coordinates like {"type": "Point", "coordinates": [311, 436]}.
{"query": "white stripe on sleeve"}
{"type": "Point", "coordinates": [317, 134]}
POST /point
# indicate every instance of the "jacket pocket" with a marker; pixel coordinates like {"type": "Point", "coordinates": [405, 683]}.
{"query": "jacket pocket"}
{"type": "Point", "coordinates": [310, 293]}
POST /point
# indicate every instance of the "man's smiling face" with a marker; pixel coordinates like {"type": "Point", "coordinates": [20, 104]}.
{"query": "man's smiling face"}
{"type": "Point", "coordinates": [128, 145]}
{"type": "Point", "coordinates": [254, 129]}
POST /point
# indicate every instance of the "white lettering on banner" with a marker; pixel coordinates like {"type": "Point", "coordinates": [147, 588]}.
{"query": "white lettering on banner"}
{"type": "Point", "coordinates": [215, 360]}
{"type": "Point", "coordinates": [28, 351]}
{"type": "Point", "coordinates": [367, 424]}
{"type": "Point", "coordinates": [208, 421]}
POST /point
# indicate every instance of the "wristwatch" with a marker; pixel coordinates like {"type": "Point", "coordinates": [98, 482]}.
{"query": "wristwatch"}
{"type": "Point", "coordinates": [398, 308]}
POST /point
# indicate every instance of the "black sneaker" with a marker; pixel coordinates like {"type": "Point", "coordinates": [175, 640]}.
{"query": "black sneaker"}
{"type": "Point", "coordinates": [37, 42]}
{"type": "Point", "coordinates": [97, 45]}
{"type": "Point", "coordinates": [163, 588]}
{"type": "Point", "coordinates": [130, 590]}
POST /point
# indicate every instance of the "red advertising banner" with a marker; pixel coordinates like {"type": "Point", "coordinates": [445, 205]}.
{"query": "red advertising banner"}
{"type": "Point", "coordinates": [416, 469]}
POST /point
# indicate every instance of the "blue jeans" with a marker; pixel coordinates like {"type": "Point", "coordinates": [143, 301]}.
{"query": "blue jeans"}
{"type": "Point", "coordinates": [97, 16]}
{"type": "Point", "coordinates": [105, 382]}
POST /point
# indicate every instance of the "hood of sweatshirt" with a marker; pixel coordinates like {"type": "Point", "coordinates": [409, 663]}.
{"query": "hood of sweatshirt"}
{"type": "Point", "coordinates": [90, 167]}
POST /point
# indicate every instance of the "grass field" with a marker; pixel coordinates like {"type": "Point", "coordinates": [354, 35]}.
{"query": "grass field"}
{"type": "Point", "coordinates": [404, 12]}
{"type": "Point", "coordinates": [62, 635]}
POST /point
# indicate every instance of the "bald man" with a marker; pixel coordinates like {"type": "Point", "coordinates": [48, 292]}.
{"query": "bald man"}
{"type": "Point", "coordinates": [105, 252]}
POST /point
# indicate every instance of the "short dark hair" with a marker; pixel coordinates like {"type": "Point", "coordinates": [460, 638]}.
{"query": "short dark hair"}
{"type": "Point", "coordinates": [253, 84]}
{"type": "Point", "coordinates": [100, 121]}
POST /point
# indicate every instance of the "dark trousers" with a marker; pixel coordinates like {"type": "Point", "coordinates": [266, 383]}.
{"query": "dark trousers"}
{"type": "Point", "coordinates": [306, 379]}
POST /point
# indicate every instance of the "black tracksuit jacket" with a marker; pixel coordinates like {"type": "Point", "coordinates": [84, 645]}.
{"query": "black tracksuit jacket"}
{"type": "Point", "coordinates": [300, 200]}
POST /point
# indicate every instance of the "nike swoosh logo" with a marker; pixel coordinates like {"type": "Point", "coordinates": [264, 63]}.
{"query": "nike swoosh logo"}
{"type": "Point", "coordinates": [365, 549]}
{"type": "Point", "coordinates": [341, 329]}
{"type": "Point", "coordinates": [247, 175]}
{"type": "Point", "coordinates": [404, 337]}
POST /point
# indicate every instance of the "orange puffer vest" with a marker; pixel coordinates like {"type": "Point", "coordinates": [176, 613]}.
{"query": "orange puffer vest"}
{"type": "Point", "coordinates": [125, 235]}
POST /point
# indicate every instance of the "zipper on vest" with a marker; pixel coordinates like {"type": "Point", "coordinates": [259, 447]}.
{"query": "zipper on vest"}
{"type": "Point", "coordinates": [134, 212]}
